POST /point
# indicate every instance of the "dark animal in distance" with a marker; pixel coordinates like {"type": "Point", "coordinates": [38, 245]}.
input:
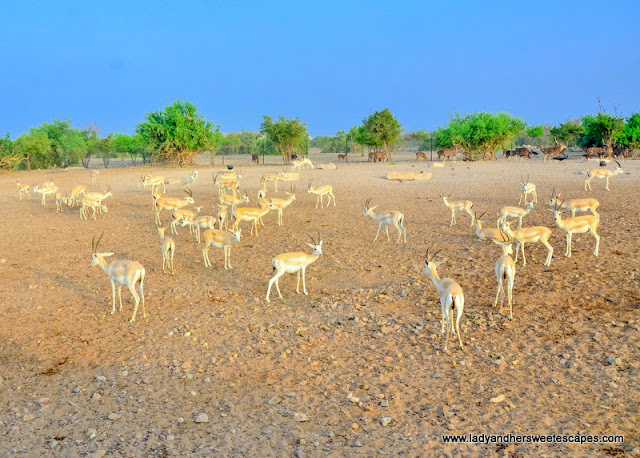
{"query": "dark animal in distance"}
{"type": "Point", "coordinates": [255, 158]}
{"type": "Point", "coordinates": [420, 155]}
{"type": "Point", "coordinates": [341, 157]}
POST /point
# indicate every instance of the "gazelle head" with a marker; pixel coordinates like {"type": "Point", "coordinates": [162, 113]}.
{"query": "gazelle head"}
{"type": "Point", "coordinates": [506, 243]}
{"type": "Point", "coordinates": [619, 167]}
{"type": "Point", "coordinates": [445, 198]}
{"type": "Point", "coordinates": [368, 211]}
{"type": "Point", "coordinates": [429, 263]}
{"type": "Point", "coordinates": [190, 194]}
{"type": "Point", "coordinates": [160, 231]}
{"type": "Point", "coordinates": [317, 247]}
{"type": "Point", "coordinates": [556, 210]}
{"type": "Point", "coordinates": [292, 194]}
{"type": "Point", "coordinates": [529, 206]}
{"type": "Point", "coordinates": [245, 197]}
{"type": "Point", "coordinates": [236, 234]}
{"type": "Point", "coordinates": [97, 258]}
{"type": "Point", "coordinates": [108, 193]}
{"type": "Point", "coordinates": [194, 175]}
{"type": "Point", "coordinates": [309, 187]}
{"type": "Point", "coordinates": [267, 202]}
{"type": "Point", "coordinates": [554, 197]}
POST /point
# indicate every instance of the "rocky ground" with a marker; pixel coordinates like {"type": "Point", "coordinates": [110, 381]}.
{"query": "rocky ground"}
{"type": "Point", "coordinates": [355, 368]}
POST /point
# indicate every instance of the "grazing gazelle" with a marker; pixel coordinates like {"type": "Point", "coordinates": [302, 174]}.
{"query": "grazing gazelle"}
{"type": "Point", "coordinates": [574, 205]}
{"type": "Point", "coordinates": [180, 215]}
{"type": "Point", "coordinates": [451, 298]}
{"type": "Point", "coordinates": [281, 204]}
{"type": "Point", "coordinates": [527, 188]}
{"type": "Point", "coordinates": [326, 190]}
{"type": "Point", "coordinates": [60, 201]}
{"type": "Point", "coordinates": [226, 199]}
{"type": "Point", "coordinates": [94, 205]}
{"type": "Point", "coordinates": [296, 166]}
{"type": "Point", "coordinates": [602, 173]}
{"type": "Point", "coordinates": [388, 218]}
{"type": "Point", "coordinates": [296, 262]}
{"type": "Point", "coordinates": [530, 235]}
{"type": "Point", "coordinates": [94, 177]}
{"type": "Point", "coordinates": [514, 212]}
{"type": "Point", "coordinates": [306, 161]}
{"type": "Point", "coordinates": [76, 191]}
{"type": "Point", "coordinates": [23, 189]}
{"type": "Point", "coordinates": [154, 182]}
{"type": "Point", "coordinates": [458, 206]}
{"type": "Point", "coordinates": [168, 250]}
{"type": "Point", "coordinates": [123, 272]}
{"type": "Point", "coordinates": [172, 204]}
{"type": "Point", "coordinates": [505, 270]}
{"type": "Point", "coordinates": [577, 225]}
{"type": "Point", "coordinates": [46, 189]}
{"type": "Point", "coordinates": [98, 196]}
{"type": "Point", "coordinates": [220, 239]}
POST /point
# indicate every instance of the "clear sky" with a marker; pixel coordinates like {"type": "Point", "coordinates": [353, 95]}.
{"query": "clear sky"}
{"type": "Point", "coordinates": [328, 62]}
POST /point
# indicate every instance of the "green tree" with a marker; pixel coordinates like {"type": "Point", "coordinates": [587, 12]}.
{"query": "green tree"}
{"type": "Point", "coordinates": [249, 141]}
{"type": "Point", "coordinates": [380, 128]}
{"type": "Point", "coordinates": [178, 133]}
{"type": "Point", "coordinates": [535, 131]}
{"type": "Point", "coordinates": [600, 130]}
{"type": "Point", "coordinates": [9, 159]}
{"type": "Point", "coordinates": [630, 135]}
{"type": "Point", "coordinates": [481, 134]}
{"type": "Point", "coordinates": [418, 139]}
{"type": "Point", "coordinates": [35, 149]}
{"type": "Point", "coordinates": [566, 132]}
{"type": "Point", "coordinates": [287, 134]}
{"type": "Point", "coordinates": [133, 145]}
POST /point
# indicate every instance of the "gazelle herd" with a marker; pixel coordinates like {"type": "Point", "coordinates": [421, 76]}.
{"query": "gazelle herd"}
{"type": "Point", "coordinates": [222, 230]}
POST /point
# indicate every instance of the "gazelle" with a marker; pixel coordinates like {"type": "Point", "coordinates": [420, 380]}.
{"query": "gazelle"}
{"type": "Point", "coordinates": [577, 225]}
{"type": "Point", "coordinates": [172, 204]}
{"type": "Point", "coordinates": [458, 205]}
{"type": "Point", "coordinates": [252, 214]}
{"type": "Point", "coordinates": [220, 239]}
{"type": "Point", "coordinates": [602, 173]}
{"type": "Point", "coordinates": [228, 184]}
{"type": "Point", "coordinates": [326, 190]}
{"type": "Point", "coordinates": [76, 191]}
{"type": "Point", "coordinates": [281, 204]}
{"type": "Point", "coordinates": [262, 192]}
{"type": "Point", "coordinates": [451, 298]}
{"type": "Point", "coordinates": [181, 214]}
{"type": "Point", "coordinates": [168, 250]}
{"type": "Point", "coordinates": [94, 205]}
{"type": "Point", "coordinates": [574, 205]}
{"type": "Point", "coordinates": [232, 175]}
{"type": "Point", "coordinates": [23, 189]}
{"type": "Point", "coordinates": [204, 222]}
{"type": "Point", "coordinates": [530, 235]}
{"type": "Point", "coordinates": [94, 177]}
{"type": "Point", "coordinates": [154, 182]}
{"type": "Point", "coordinates": [296, 166]}
{"type": "Point", "coordinates": [275, 177]}
{"type": "Point", "coordinates": [186, 181]}
{"type": "Point", "coordinates": [123, 272]}
{"type": "Point", "coordinates": [60, 201]}
{"type": "Point", "coordinates": [223, 218]}
{"type": "Point", "coordinates": [98, 195]}
{"type": "Point", "coordinates": [489, 233]}
{"type": "Point", "coordinates": [514, 212]}
{"type": "Point", "coordinates": [46, 189]}
{"type": "Point", "coordinates": [527, 188]}
{"type": "Point", "coordinates": [306, 161]}
{"type": "Point", "coordinates": [296, 262]}
{"type": "Point", "coordinates": [505, 270]}
{"type": "Point", "coordinates": [226, 199]}
{"type": "Point", "coordinates": [388, 218]}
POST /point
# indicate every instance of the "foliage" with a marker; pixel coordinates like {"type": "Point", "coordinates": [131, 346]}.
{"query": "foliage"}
{"type": "Point", "coordinates": [630, 135]}
{"type": "Point", "coordinates": [566, 132]}
{"type": "Point", "coordinates": [535, 131]}
{"type": "Point", "coordinates": [480, 134]}
{"type": "Point", "coordinates": [380, 128]}
{"type": "Point", "coordinates": [600, 130]}
{"type": "Point", "coordinates": [419, 139]}
{"type": "Point", "coordinates": [178, 133]}
{"type": "Point", "coordinates": [288, 135]}
{"type": "Point", "coordinates": [9, 159]}
{"type": "Point", "coordinates": [35, 149]}
{"type": "Point", "coordinates": [133, 145]}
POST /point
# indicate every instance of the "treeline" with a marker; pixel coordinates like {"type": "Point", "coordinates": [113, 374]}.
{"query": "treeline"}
{"type": "Point", "coordinates": [178, 133]}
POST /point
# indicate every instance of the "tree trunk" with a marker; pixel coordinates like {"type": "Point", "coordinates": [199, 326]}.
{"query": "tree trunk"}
{"type": "Point", "coordinates": [388, 151]}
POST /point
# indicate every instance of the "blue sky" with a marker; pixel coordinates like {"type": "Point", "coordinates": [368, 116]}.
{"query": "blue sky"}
{"type": "Point", "coordinates": [328, 62]}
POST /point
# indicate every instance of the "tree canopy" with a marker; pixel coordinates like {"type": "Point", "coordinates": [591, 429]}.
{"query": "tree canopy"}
{"type": "Point", "coordinates": [287, 134]}
{"type": "Point", "coordinates": [600, 130]}
{"type": "Point", "coordinates": [481, 133]}
{"type": "Point", "coordinates": [178, 133]}
{"type": "Point", "coordinates": [380, 128]}
{"type": "Point", "coordinates": [630, 135]}
{"type": "Point", "coordinates": [567, 131]}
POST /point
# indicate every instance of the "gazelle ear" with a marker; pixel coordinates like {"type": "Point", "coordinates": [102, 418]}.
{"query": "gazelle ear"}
{"type": "Point", "coordinates": [441, 261]}
{"type": "Point", "coordinates": [374, 207]}
{"type": "Point", "coordinates": [106, 254]}
{"type": "Point", "coordinates": [312, 246]}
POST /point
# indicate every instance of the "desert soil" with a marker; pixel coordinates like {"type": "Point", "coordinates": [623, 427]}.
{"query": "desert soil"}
{"type": "Point", "coordinates": [315, 375]}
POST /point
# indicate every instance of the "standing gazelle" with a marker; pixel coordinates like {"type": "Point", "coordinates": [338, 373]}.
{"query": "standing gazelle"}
{"type": "Point", "coordinates": [172, 204]}
{"type": "Point", "coordinates": [281, 204]}
{"type": "Point", "coordinates": [123, 272]}
{"type": "Point", "coordinates": [220, 239]}
{"type": "Point", "coordinates": [458, 206]}
{"type": "Point", "coordinates": [527, 188]}
{"type": "Point", "coordinates": [168, 250]}
{"type": "Point", "coordinates": [575, 205]}
{"type": "Point", "coordinates": [505, 270]}
{"type": "Point", "coordinates": [296, 262]}
{"type": "Point", "coordinates": [94, 177]}
{"type": "Point", "coordinates": [23, 189]}
{"type": "Point", "coordinates": [530, 235]}
{"type": "Point", "coordinates": [602, 173]}
{"type": "Point", "coordinates": [577, 225]}
{"type": "Point", "coordinates": [387, 219]}
{"type": "Point", "coordinates": [514, 212]}
{"type": "Point", "coordinates": [326, 190]}
{"type": "Point", "coordinates": [451, 297]}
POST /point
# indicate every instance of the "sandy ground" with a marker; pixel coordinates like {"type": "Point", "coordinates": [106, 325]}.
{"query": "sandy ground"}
{"type": "Point", "coordinates": [314, 375]}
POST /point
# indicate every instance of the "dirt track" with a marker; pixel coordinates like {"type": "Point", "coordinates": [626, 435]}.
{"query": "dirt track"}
{"type": "Point", "coordinates": [369, 328]}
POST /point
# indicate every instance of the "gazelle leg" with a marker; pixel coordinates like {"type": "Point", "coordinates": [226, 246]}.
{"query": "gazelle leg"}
{"type": "Point", "coordinates": [173, 270]}
{"type": "Point", "coordinates": [517, 251]}
{"type": "Point", "coordinates": [473, 217]}
{"type": "Point", "coordinates": [549, 252]}
{"type": "Point", "coordinates": [459, 309]}
{"type": "Point", "coordinates": [113, 290]}
{"type": "Point", "coordinates": [453, 218]}
{"type": "Point", "coordinates": [120, 295]}
{"type": "Point", "coordinates": [334, 199]}
{"type": "Point", "coordinates": [597, 237]}
{"type": "Point", "coordinates": [524, 259]}
{"type": "Point", "coordinates": [378, 233]}
{"type": "Point", "coordinates": [607, 187]}
{"type": "Point", "coordinates": [448, 301]}
{"type": "Point", "coordinates": [495, 302]}
{"type": "Point", "coordinates": [510, 294]}
{"type": "Point", "coordinates": [535, 196]}
{"type": "Point", "coordinates": [298, 282]}
{"type": "Point", "coordinates": [304, 280]}
{"type": "Point", "coordinates": [399, 233]}
{"type": "Point", "coordinates": [568, 252]}
{"type": "Point", "coordinates": [387, 228]}
{"type": "Point", "coordinates": [520, 201]}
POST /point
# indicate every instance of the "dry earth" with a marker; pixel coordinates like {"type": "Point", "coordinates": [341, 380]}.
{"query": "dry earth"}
{"type": "Point", "coordinates": [363, 345]}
